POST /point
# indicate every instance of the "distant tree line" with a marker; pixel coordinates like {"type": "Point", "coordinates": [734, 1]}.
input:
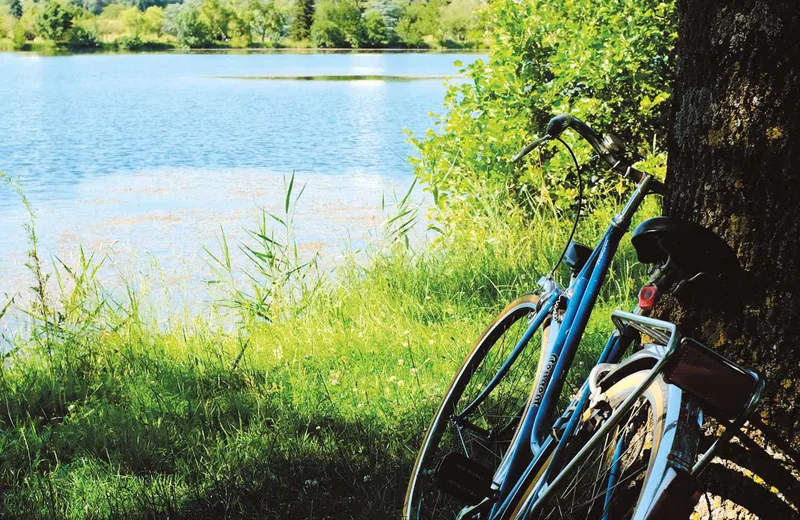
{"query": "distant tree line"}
{"type": "Point", "coordinates": [142, 24]}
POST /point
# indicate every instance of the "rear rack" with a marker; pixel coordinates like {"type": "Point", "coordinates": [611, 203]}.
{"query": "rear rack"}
{"type": "Point", "coordinates": [695, 369]}
{"type": "Point", "coordinates": [724, 390]}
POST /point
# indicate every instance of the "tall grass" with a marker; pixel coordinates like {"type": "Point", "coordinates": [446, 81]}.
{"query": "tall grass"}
{"type": "Point", "coordinates": [312, 406]}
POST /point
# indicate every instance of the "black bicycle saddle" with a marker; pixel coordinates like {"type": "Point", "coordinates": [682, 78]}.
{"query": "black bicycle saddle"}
{"type": "Point", "coordinates": [692, 248]}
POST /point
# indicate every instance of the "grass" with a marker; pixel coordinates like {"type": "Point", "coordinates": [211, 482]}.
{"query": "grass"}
{"type": "Point", "coordinates": [312, 406]}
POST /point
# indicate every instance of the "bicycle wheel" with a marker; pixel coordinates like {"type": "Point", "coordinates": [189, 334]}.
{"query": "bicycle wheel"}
{"type": "Point", "coordinates": [483, 435]}
{"type": "Point", "coordinates": [623, 471]}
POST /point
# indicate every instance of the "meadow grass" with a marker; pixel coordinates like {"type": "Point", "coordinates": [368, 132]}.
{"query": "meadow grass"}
{"type": "Point", "coordinates": [311, 406]}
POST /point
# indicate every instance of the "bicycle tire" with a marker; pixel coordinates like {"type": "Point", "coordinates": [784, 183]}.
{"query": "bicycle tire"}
{"type": "Point", "coordinates": [423, 499]}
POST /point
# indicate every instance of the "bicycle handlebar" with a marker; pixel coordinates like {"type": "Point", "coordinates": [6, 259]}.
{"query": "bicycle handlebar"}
{"type": "Point", "coordinates": [604, 146]}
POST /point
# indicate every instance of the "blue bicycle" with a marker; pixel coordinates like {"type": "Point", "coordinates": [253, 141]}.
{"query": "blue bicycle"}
{"type": "Point", "coordinates": [505, 443]}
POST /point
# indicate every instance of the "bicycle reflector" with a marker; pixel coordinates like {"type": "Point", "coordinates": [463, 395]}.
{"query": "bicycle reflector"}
{"type": "Point", "coordinates": [647, 297]}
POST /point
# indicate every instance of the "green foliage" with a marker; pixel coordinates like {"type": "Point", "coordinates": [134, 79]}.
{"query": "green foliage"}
{"type": "Point", "coordinates": [154, 20]}
{"type": "Point", "coordinates": [247, 23]}
{"type": "Point", "coordinates": [337, 23]}
{"type": "Point", "coordinates": [113, 11]}
{"type": "Point", "coordinates": [190, 30]}
{"type": "Point", "coordinates": [8, 22]}
{"type": "Point", "coordinates": [54, 20]}
{"type": "Point", "coordinates": [420, 24]}
{"type": "Point", "coordinates": [303, 18]}
{"type": "Point", "coordinates": [217, 16]}
{"type": "Point", "coordinates": [80, 38]}
{"type": "Point", "coordinates": [130, 43]}
{"type": "Point", "coordinates": [268, 20]}
{"type": "Point", "coordinates": [459, 24]}
{"type": "Point", "coordinates": [376, 34]}
{"type": "Point", "coordinates": [133, 21]}
{"type": "Point", "coordinates": [607, 62]}
{"type": "Point", "coordinates": [19, 38]}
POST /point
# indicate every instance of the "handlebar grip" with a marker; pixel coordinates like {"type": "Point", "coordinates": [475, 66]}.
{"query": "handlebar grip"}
{"type": "Point", "coordinates": [657, 187]}
{"type": "Point", "coordinates": [528, 149]}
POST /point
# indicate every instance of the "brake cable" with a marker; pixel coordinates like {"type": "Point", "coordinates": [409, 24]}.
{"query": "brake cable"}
{"type": "Point", "coordinates": [580, 206]}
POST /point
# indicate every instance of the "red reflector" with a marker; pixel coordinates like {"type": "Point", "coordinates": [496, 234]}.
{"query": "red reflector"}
{"type": "Point", "coordinates": [647, 297]}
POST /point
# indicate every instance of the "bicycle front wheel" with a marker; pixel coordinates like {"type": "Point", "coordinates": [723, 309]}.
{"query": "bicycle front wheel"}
{"type": "Point", "coordinates": [485, 432]}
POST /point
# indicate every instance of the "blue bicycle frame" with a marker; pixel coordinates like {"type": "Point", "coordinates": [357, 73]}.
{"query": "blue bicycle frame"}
{"type": "Point", "coordinates": [533, 444]}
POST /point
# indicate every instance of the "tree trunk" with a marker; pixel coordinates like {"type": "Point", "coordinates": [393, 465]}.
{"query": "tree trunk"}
{"type": "Point", "coordinates": [734, 166]}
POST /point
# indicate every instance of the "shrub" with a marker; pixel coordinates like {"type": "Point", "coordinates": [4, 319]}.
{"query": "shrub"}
{"type": "Point", "coordinates": [419, 24]}
{"type": "Point", "coordinates": [609, 63]}
{"type": "Point", "coordinates": [80, 38]}
{"type": "Point", "coordinates": [129, 43]}
{"type": "Point", "coordinates": [19, 39]}
{"type": "Point", "coordinates": [190, 30]}
{"type": "Point", "coordinates": [337, 23]}
{"type": "Point", "coordinates": [376, 33]}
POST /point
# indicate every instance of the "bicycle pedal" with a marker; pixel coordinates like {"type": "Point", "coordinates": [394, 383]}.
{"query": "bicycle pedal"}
{"type": "Point", "coordinates": [465, 479]}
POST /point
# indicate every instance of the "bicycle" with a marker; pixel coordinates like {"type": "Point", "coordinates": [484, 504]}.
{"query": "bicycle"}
{"type": "Point", "coordinates": [626, 444]}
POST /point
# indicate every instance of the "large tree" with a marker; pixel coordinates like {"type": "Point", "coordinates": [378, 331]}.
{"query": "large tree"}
{"type": "Point", "coordinates": [734, 166]}
{"type": "Point", "coordinates": [303, 18]}
{"type": "Point", "coordinates": [15, 8]}
{"type": "Point", "coordinates": [54, 21]}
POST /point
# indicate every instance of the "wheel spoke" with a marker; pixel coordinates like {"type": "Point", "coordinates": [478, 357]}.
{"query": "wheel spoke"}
{"type": "Point", "coordinates": [582, 495]}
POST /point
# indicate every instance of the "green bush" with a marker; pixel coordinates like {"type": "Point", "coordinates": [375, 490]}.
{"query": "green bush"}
{"type": "Point", "coordinates": [19, 39]}
{"type": "Point", "coordinates": [80, 38]}
{"type": "Point", "coordinates": [129, 43]}
{"type": "Point", "coordinates": [376, 34]}
{"type": "Point", "coordinates": [607, 62]}
{"type": "Point", "coordinates": [337, 23]}
{"type": "Point", "coordinates": [190, 30]}
{"type": "Point", "coordinates": [419, 20]}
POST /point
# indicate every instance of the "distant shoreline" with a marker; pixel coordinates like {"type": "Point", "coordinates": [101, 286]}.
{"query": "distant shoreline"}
{"type": "Point", "coordinates": [343, 77]}
{"type": "Point", "coordinates": [244, 50]}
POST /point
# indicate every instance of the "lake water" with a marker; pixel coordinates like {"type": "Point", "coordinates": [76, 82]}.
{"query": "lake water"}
{"type": "Point", "coordinates": [146, 155]}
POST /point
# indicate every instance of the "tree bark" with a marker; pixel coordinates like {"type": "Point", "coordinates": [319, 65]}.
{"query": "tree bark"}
{"type": "Point", "coordinates": [734, 167]}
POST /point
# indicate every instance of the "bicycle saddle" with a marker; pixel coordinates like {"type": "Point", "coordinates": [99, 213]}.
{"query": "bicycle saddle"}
{"type": "Point", "coordinates": [692, 248]}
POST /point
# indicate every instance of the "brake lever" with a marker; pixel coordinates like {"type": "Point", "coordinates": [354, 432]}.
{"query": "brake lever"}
{"type": "Point", "coordinates": [531, 147]}
{"type": "Point", "coordinates": [555, 127]}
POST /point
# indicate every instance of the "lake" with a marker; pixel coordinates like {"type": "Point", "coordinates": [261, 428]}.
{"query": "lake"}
{"type": "Point", "coordinates": [147, 155]}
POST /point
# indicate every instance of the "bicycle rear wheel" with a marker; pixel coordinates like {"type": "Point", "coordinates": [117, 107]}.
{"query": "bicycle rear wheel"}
{"type": "Point", "coordinates": [484, 434]}
{"type": "Point", "coordinates": [619, 477]}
